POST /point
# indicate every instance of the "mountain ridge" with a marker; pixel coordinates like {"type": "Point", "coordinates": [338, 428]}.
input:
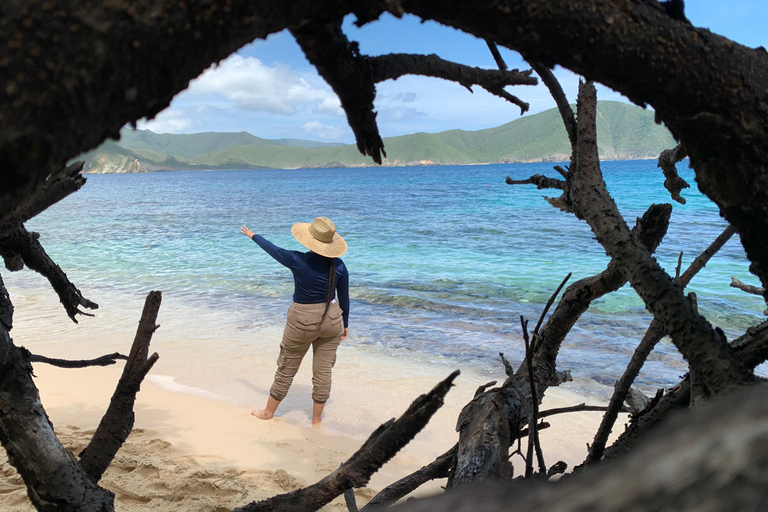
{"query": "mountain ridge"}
{"type": "Point", "coordinates": [624, 132]}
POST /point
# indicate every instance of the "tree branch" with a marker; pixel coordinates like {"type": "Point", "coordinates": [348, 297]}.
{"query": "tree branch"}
{"type": "Point", "coordinates": [681, 468]}
{"type": "Point", "coordinates": [117, 422]}
{"type": "Point", "coordinates": [54, 480]}
{"type": "Point", "coordinates": [105, 360]}
{"type": "Point", "coordinates": [672, 182]}
{"type": "Point", "coordinates": [650, 230]}
{"type": "Point", "coordinates": [753, 290]}
{"type": "Point", "coordinates": [59, 185]}
{"type": "Point", "coordinates": [496, 55]}
{"type": "Point", "coordinates": [439, 468]}
{"type": "Point", "coordinates": [540, 181]}
{"type": "Point", "coordinates": [556, 90]}
{"type": "Point", "coordinates": [705, 348]}
{"type": "Point", "coordinates": [652, 336]}
{"type": "Point", "coordinates": [393, 66]}
{"type": "Point", "coordinates": [380, 447]}
{"type": "Point", "coordinates": [26, 245]}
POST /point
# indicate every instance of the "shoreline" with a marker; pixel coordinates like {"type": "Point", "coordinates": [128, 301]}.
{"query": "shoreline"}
{"type": "Point", "coordinates": [361, 166]}
{"type": "Point", "coordinates": [196, 405]}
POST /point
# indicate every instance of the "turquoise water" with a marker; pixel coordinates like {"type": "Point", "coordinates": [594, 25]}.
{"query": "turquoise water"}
{"type": "Point", "coordinates": [443, 260]}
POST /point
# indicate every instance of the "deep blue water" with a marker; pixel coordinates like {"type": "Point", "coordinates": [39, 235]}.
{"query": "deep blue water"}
{"type": "Point", "coordinates": [442, 260]}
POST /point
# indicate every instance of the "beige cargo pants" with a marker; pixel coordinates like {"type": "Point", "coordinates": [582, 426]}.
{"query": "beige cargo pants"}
{"type": "Point", "coordinates": [303, 329]}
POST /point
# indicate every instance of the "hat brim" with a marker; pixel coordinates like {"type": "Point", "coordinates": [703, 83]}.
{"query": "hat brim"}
{"type": "Point", "coordinates": [333, 249]}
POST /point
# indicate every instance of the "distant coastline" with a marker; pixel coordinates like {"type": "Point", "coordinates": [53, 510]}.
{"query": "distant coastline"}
{"type": "Point", "coordinates": [141, 169]}
{"type": "Point", "coordinates": [625, 132]}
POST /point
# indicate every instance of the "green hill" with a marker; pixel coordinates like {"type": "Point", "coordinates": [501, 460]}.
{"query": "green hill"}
{"type": "Point", "coordinates": [624, 132]}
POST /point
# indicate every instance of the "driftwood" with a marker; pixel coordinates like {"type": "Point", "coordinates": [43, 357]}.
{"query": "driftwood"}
{"type": "Point", "coordinates": [380, 447]}
{"type": "Point", "coordinates": [652, 336]}
{"type": "Point", "coordinates": [105, 360]}
{"type": "Point", "coordinates": [439, 468]}
{"type": "Point", "coordinates": [55, 479]}
{"type": "Point", "coordinates": [118, 421]}
{"type": "Point", "coordinates": [673, 182]}
{"type": "Point", "coordinates": [21, 242]}
{"type": "Point", "coordinates": [704, 459]}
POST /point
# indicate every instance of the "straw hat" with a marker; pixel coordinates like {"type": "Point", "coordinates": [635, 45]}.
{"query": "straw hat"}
{"type": "Point", "coordinates": [320, 236]}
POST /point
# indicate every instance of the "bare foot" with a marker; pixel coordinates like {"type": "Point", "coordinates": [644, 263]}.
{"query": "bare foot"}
{"type": "Point", "coordinates": [263, 414]}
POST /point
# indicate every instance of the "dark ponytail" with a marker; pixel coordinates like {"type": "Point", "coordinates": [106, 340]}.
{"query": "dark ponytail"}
{"type": "Point", "coordinates": [331, 285]}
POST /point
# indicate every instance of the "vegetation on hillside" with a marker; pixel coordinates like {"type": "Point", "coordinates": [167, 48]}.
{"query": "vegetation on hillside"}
{"type": "Point", "coordinates": [625, 132]}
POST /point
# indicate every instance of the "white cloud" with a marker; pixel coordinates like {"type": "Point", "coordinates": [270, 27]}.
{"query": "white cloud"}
{"type": "Point", "coordinates": [318, 129]}
{"type": "Point", "coordinates": [169, 121]}
{"type": "Point", "coordinates": [251, 85]}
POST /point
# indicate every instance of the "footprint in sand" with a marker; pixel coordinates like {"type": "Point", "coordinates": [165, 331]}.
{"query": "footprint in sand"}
{"type": "Point", "coordinates": [289, 447]}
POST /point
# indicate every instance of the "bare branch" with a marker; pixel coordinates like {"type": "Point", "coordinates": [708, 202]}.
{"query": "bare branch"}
{"type": "Point", "coordinates": [26, 245]}
{"type": "Point", "coordinates": [550, 302]}
{"type": "Point", "coordinates": [349, 499]}
{"type": "Point", "coordinates": [437, 469]}
{"type": "Point", "coordinates": [380, 447]}
{"type": "Point", "coordinates": [573, 408]}
{"type": "Point", "coordinates": [652, 336]}
{"type": "Point", "coordinates": [50, 191]}
{"type": "Point", "coordinates": [706, 456]}
{"type": "Point", "coordinates": [105, 360]}
{"type": "Point", "coordinates": [705, 348]}
{"type": "Point", "coordinates": [533, 434]}
{"type": "Point", "coordinates": [117, 422]}
{"type": "Point", "coordinates": [540, 181]}
{"type": "Point", "coordinates": [496, 55]}
{"type": "Point", "coordinates": [673, 182]}
{"type": "Point", "coordinates": [339, 62]}
{"type": "Point", "coordinates": [393, 66]}
{"type": "Point", "coordinates": [649, 230]}
{"type": "Point", "coordinates": [753, 290]}
{"type": "Point", "coordinates": [556, 90]}
{"type": "Point", "coordinates": [49, 471]}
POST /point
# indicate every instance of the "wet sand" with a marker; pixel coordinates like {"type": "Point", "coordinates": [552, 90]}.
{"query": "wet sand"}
{"type": "Point", "coordinates": [197, 447]}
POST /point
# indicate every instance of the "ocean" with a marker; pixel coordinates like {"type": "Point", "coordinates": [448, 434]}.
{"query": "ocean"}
{"type": "Point", "coordinates": [443, 261]}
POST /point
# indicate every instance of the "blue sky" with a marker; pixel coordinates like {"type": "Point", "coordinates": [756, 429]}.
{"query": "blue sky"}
{"type": "Point", "coordinates": [270, 90]}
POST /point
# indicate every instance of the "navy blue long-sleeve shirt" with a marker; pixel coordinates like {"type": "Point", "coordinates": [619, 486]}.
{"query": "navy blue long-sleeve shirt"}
{"type": "Point", "coordinates": [310, 275]}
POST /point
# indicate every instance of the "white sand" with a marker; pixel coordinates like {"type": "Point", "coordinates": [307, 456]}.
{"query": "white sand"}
{"type": "Point", "coordinates": [191, 452]}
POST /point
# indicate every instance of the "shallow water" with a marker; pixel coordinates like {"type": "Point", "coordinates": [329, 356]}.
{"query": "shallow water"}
{"type": "Point", "coordinates": [443, 261]}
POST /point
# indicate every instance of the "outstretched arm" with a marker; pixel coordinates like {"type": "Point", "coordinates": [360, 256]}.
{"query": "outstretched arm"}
{"type": "Point", "coordinates": [282, 256]}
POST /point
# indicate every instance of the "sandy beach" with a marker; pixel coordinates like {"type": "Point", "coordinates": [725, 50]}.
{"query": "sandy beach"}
{"type": "Point", "coordinates": [196, 446]}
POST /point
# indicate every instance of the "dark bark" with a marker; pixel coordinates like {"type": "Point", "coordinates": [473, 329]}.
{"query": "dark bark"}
{"type": "Point", "coordinates": [672, 181]}
{"type": "Point", "coordinates": [54, 480]}
{"type": "Point", "coordinates": [556, 90]}
{"type": "Point", "coordinates": [486, 428]}
{"type": "Point", "coordinates": [380, 447]}
{"type": "Point", "coordinates": [117, 422]}
{"type": "Point", "coordinates": [751, 348]}
{"type": "Point", "coordinates": [717, 368]}
{"type": "Point", "coordinates": [439, 468]}
{"type": "Point", "coordinates": [393, 66]}
{"type": "Point", "coordinates": [650, 230]}
{"type": "Point", "coordinates": [540, 181]}
{"type": "Point", "coordinates": [754, 290]}
{"type": "Point", "coordinates": [58, 186]}
{"type": "Point", "coordinates": [652, 336]}
{"type": "Point", "coordinates": [105, 360]}
{"type": "Point", "coordinates": [26, 245]}
{"type": "Point", "coordinates": [705, 459]}
{"type": "Point", "coordinates": [353, 77]}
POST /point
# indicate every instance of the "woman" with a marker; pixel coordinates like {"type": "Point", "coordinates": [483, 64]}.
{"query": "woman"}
{"type": "Point", "coordinates": [315, 318]}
